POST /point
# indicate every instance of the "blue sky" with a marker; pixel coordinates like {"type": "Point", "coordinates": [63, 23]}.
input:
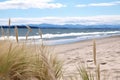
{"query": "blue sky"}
{"type": "Point", "coordinates": [64, 11]}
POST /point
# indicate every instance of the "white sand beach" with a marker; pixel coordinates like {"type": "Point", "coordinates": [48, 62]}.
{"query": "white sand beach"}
{"type": "Point", "coordinates": [108, 56]}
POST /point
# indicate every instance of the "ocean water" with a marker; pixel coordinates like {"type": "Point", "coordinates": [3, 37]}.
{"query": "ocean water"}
{"type": "Point", "coordinates": [61, 36]}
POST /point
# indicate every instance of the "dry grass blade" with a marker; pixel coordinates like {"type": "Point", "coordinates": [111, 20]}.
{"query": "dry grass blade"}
{"type": "Point", "coordinates": [8, 31]}
{"type": "Point", "coordinates": [85, 75]}
{"type": "Point", "coordinates": [16, 33]}
{"type": "Point", "coordinates": [2, 31]}
{"type": "Point", "coordinates": [98, 72]}
{"type": "Point", "coordinates": [9, 22]}
{"type": "Point", "coordinates": [28, 27]}
{"type": "Point", "coordinates": [40, 33]}
{"type": "Point", "coordinates": [94, 51]}
{"type": "Point", "coordinates": [29, 30]}
{"type": "Point", "coordinates": [27, 35]}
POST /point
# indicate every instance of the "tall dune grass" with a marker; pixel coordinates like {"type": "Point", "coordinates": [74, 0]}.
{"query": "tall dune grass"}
{"type": "Point", "coordinates": [94, 51]}
{"type": "Point", "coordinates": [29, 30]}
{"type": "Point", "coordinates": [2, 32]}
{"type": "Point", "coordinates": [98, 72]}
{"type": "Point", "coordinates": [8, 31]}
{"type": "Point", "coordinates": [16, 33]}
{"type": "Point", "coordinates": [47, 64]}
{"type": "Point", "coordinates": [20, 62]}
{"type": "Point", "coordinates": [84, 73]}
{"type": "Point", "coordinates": [13, 61]}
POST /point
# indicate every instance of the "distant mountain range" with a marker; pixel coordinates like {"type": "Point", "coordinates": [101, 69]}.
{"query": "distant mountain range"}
{"type": "Point", "coordinates": [51, 26]}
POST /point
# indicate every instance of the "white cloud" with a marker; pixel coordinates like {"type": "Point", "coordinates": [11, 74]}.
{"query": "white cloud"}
{"type": "Point", "coordinates": [81, 5]}
{"type": "Point", "coordinates": [93, 20]}
{"type": "Point", "coordinates": [99, 4]}
{"type": "Point", "coordinates": [25, 4]}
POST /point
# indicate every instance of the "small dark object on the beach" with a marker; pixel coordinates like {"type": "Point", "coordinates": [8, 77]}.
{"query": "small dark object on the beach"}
{"type": "Point", "coordinates": [89, 60]}
{"type": "Point", "coordinates": [103, 63]}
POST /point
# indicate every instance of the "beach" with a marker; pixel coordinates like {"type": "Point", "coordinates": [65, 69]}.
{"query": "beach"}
{"type": "Point", "coordinates": [79, 53]}
{"type": "Point", "coordinates": [60, 40]}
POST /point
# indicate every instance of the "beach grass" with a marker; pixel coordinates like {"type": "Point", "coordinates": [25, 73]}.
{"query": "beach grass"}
{"type": "Point", "coordinates": [84, 73]}
{"type": "Point", "coordinates": [29, 30]}
{"type": "Point", "coordinates": [21, 62]}
{"type": "Point", "coordinates": [13, 61]}
{"type": "Point", "coordinates": [16, 33]}
{"type": "Point", "coordinates": [2, 32]}
{"type": "Point", "coordinates": [94, 51]}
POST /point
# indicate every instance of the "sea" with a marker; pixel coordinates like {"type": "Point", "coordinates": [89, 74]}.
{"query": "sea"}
{"type": "Point", "coordinates": [58, 36]}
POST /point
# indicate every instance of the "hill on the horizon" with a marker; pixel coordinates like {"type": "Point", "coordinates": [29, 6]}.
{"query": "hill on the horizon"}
{"type": "Point", "coordinates": [64, 26]}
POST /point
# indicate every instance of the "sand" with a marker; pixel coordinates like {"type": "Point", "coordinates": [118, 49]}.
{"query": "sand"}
{"type": "Point", "coordinates": [79, 53]}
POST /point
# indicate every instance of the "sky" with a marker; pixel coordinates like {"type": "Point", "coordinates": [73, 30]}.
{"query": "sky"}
{"type": "Point", "coordinates": [85, 12]}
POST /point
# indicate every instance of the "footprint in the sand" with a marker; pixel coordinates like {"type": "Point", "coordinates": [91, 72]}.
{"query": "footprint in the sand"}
{"type": "Point", "coordinates": [107, 57]}
{"type": "Point", "coordinates": [118, 53]}
{"type": "Point", "coordinates": [89, 60]}
{"type": "Point", "coordinates": [103, 63]}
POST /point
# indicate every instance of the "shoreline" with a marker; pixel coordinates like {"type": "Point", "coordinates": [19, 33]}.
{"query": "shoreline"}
{"type": "Point", "coordinates": [86, 40]}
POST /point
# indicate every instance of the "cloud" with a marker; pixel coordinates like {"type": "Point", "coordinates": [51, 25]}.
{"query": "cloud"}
{"type": "Point", "coordinates": [92, 20]}
{"type": "Point", "coordinates": [26, 4]}
{"type": "Point", "coordinates": [99, 4]}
